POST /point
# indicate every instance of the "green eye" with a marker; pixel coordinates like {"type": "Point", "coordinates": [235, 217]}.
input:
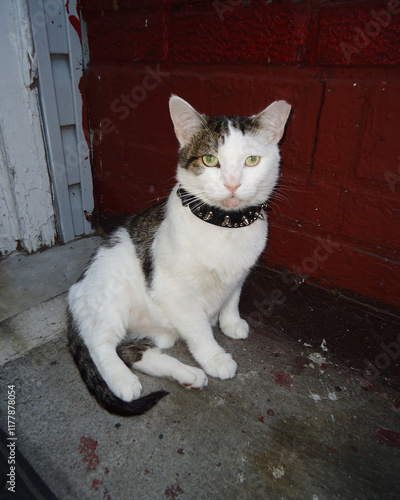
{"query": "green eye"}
{"type": "Point", "coordinates": [210, 161]}
{"type": "Point", "coordinates": [252, 161]}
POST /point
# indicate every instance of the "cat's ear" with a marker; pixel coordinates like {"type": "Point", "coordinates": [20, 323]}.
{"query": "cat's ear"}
{"type": "Point", "coordinates": [273, 120]}
{"type": "Point", "coordinates": [186, 119]}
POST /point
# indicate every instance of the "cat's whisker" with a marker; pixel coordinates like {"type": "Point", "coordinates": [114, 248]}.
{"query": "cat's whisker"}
{"type": "Point", "coordinates": [275, 208]}
{"type": "Point", "coordinates": [285, 200]}
{"type": "Point", "coordinates": [279, 193]}
{"type": "Point", "coordinates": [197, 204]}
{"type": "Point", "coordinates": [159, 199]}
{"type": "Point", "coordinates": [283, 185]}
{"type": "Point", "coordinates": [290, 189]}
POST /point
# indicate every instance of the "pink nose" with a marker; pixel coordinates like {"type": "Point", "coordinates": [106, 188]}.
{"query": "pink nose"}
{"type": "Point", "coordinates": [232, 189]}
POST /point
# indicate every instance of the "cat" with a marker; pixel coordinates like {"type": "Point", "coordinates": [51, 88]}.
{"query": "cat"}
{"type": "Point", "coordinates": [176, 270]}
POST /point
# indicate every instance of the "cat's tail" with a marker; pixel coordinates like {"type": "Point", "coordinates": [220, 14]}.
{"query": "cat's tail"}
{"type": "Point", "coordinates": [96, 384]}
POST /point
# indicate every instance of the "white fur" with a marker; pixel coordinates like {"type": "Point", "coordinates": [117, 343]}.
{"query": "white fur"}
{"type": "Point", "coordinates": [199, 270]}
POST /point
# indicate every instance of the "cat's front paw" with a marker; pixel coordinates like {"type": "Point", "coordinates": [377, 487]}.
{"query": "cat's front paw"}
{"type": "Point", "coordinates": [127, 387]}
{"type": "Point", "coordinates": [220, 366]}
{"type": "Point", "coordinates": [236, 330]}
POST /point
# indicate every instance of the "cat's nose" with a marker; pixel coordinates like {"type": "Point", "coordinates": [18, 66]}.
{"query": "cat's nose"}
{"type": "Point", "coordinates": [231, 188]}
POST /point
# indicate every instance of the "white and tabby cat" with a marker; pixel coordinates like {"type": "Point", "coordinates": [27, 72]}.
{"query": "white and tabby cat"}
{"type": "Point", "coordinates": [177, 269]}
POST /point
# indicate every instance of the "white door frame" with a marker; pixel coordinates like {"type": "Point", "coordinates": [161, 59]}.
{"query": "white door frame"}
{"type": "Point", "coordinates": [60, 68]}
{"type": "Point", "coordinates": [27, 219]}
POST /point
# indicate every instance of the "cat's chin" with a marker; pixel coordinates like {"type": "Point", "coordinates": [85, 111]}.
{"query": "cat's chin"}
{"type": "Point", "coordinates": [231, 203]}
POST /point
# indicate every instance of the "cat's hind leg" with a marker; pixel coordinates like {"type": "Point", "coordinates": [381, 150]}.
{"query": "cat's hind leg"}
{"type": "Point", "coordinates": [153, 362]}
{"type": "Point", "coordinates": [122, 382]}
{"type": "Point", "coordinates": [157, 364]}
{"type": "Point", "coordinates": [164, 338]}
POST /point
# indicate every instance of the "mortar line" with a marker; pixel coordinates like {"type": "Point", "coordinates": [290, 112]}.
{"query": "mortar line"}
{"type": "Point", "coordinates": [321, 105]}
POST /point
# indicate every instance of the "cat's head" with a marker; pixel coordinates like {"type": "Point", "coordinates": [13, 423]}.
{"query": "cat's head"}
{"type": "Point", "coordinates": [229, 162]}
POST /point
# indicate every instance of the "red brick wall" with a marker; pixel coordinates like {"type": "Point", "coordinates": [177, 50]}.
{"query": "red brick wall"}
{"type": "Point", "coordinates": [337, 215]}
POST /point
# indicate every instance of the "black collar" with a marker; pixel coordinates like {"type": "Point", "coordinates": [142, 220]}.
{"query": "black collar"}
{"type": "Point", "coordinates": [218, 216]}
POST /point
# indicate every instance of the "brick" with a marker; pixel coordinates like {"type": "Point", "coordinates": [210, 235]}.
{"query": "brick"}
{"type": "Point", "coordinates": [108, 5]}
{"type": "Point", "coordinates": [339, 132]}
{"type": "Point", "coordinates": [167, 4]}
{"type": "Point", "coordinates": [366, 274]}
{"type": "Point", "coordinates": [248, 89]}
{"type": "Point", "coordinates": [245, 33]}
{"type": "Point", "coordinates": [380, 152]}
{"type": "Point", "coordinates": [308, 205]}
{"type": "Point", "coordinates": [238, 94]}
{"type": "Point", "coordinates": [344, 266]}
{"type": "Point", "coordinates": [132, 186]}
{"type": "Point", "coordinates": [131, 149]}
{"type": "Point", "coordinates": [350, 34]}
{"type": "Point", "coordinates": [190, 85]}
{"type": "Point", "coordinates": [100, 5]}
{"type": "Point", "coordinates": [298, 142]}
{"type": "Point", "coordinates": [143, 4]}
{"type": "Point", "coordinates": [294, 250]}
{"type": "Point", "coordinates": [372, 219]}
{"type": "Point", "coordinates": [238, 64]}
{"type": "Point", "coordinates": [131, 102]}
{"type": "Point", "coordinates": [363, 273]}
{"type": "Point", "coordinates": [126, 36]}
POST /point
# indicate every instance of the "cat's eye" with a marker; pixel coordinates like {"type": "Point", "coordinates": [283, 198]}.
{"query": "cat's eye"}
{"type": "Point", "coordinates": [210, 161]}
{"type": "Point", "coordinates": [252, 161]}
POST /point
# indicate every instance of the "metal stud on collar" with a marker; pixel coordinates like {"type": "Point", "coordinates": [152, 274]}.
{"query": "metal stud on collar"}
{"type": "Point", "coordinates": [219, 217]}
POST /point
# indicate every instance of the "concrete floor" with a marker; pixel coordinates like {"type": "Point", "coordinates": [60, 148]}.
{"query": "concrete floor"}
{"type": "Point", "coordinates": [313, 412]}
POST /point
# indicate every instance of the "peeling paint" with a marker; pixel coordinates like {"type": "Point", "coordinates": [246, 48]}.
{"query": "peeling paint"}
{"type": "Point", "coordinates": [26, 206]}
{"type": "Point", "coordinates": [76, 25]}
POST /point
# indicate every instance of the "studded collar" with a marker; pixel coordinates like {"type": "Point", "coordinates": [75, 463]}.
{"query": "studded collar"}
{"type": "Point", "coordinates": [218, 217]}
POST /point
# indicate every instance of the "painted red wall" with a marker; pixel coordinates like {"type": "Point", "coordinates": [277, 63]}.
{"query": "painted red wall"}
{"type": "Point", "coordinates": [337, 215]}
